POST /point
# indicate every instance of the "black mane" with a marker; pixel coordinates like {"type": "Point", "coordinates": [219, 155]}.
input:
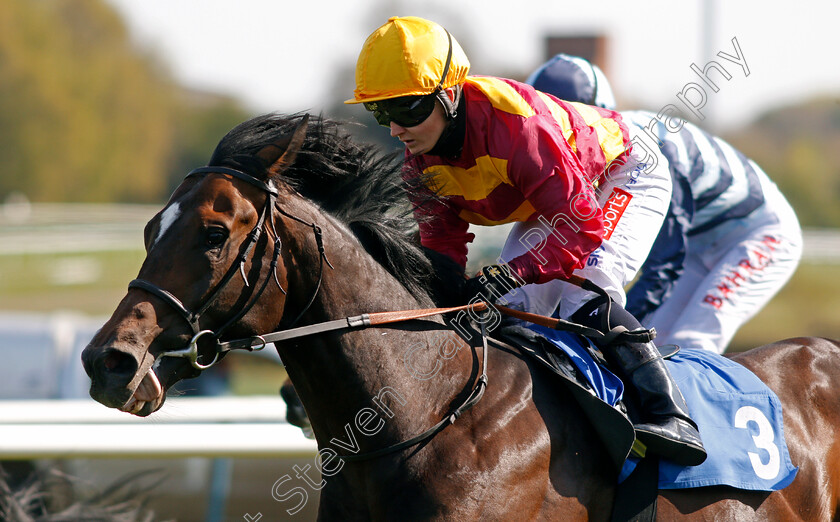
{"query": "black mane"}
{"type": "Point", "coordinates": [356, 183]}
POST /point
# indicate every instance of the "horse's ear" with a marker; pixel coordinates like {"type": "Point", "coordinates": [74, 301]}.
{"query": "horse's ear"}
{"type": "Point", "coordinates": [281, 154]}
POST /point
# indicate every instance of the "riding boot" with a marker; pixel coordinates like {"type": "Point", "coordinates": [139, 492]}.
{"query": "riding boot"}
{"type": "Point", "coordinates": [668, 430]}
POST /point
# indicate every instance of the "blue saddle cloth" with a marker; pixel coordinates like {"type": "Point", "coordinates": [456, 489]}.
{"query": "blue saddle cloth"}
{"type": "Point", "coordinates": [739, 417]}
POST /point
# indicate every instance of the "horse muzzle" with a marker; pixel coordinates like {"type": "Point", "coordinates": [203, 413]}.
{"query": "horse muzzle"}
{"type": "Point", "coordinates": [122, 380]}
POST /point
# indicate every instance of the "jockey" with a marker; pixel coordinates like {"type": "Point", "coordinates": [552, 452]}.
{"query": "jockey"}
{"type": "Point", "coordinates": [496, 151]}
{"type": "Point", "coordinates": [730, 240]}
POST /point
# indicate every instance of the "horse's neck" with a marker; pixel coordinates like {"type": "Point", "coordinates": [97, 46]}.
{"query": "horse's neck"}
{"type": "Point", "coordinates": [369, 389]}
{"type": "Point", "coordinates": [352, 282]}
{"type": "Point", "coordinates": [342, 376]}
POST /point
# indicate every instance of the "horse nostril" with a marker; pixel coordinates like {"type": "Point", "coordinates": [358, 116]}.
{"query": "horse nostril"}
{"type": "Point", "coordinates": [116, 361]}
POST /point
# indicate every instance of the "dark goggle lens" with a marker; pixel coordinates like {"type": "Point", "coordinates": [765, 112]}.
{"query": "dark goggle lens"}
{"type": "Point", "coordinates": [407, 111]}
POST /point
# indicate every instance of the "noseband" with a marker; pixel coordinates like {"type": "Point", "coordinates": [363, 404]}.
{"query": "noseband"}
{"type": "Point", "coordinates": [193, 318]}
{"type": "Point", "coordinates": [258, 342]}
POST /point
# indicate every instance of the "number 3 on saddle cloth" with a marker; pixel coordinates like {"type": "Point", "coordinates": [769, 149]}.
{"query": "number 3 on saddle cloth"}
{"type": "Point", "coordinates": [739, 417]}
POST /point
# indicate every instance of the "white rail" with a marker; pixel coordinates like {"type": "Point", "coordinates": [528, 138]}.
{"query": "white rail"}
{"type": "Point", "coordinates": [184, 427]}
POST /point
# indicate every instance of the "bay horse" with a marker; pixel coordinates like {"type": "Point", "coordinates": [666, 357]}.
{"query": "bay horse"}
{"type": "Point", "coordinates": [293, 223]}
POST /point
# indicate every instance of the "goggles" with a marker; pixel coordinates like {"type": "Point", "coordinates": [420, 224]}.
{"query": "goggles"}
{"type": "Point", "coordinates": [405, 111]}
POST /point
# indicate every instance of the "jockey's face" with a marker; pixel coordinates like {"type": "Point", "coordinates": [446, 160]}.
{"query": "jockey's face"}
{"type": "Point", "coordinates": [422, 137]}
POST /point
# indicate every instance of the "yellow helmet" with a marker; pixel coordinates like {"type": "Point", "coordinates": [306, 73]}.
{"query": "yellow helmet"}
{"type": "Point", "coordinates": [408, 56]}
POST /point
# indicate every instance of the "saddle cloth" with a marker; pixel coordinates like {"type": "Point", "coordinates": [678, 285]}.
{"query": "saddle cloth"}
{"type": "Point", "coordinates": [739, 417]}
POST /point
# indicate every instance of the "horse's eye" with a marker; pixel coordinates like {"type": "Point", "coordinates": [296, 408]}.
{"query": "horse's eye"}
{"type": "Point", "coordinates": [215, 236]}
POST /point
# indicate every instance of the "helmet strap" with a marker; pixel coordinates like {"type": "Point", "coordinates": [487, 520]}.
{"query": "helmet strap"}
{"type": "Point", "coordinates": [449, 106]}
{"type": "Point", "coordinates": [446, 65]}
{"type": "Point", "coordinates": [451, 141]}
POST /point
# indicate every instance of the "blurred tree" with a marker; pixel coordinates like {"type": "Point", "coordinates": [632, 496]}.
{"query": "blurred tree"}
{"type": "Point", "coordinates": [203, 119]}
{"type": "Point", "coordinates": [84, 115]}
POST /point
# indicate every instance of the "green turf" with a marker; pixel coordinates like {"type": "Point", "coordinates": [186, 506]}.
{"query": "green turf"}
{"type": "Point", "coordinates": [89, 283]}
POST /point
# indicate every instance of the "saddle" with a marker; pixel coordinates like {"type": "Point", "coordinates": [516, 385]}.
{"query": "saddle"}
{"type": "Point", "coordinates": [610, 422]}
{"type": "Point", "coordinates": [719, 392]}
{"type": "Point", "coordinates": [739, 416]}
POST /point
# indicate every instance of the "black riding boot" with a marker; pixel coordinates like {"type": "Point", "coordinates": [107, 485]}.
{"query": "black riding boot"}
{"type": "Point", "coordinates": [669, 431]}
{"type": "Point", "coordinates": [667, 428]}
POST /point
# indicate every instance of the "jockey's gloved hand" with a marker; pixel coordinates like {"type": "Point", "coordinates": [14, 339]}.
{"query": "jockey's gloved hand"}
{"type": "Point", "coordinates": [491, 283]}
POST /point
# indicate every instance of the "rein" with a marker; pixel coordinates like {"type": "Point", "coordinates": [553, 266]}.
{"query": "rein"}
{"type": "Point", "coordinates": [258, 342]}
{"type": "Point", "coordinates": [474, 396]}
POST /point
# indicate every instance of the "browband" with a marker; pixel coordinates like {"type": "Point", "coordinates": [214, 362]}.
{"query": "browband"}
{"type": "Point", "coordinates": [237, 174]}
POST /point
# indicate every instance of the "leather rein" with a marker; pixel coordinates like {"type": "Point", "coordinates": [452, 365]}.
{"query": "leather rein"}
{"type": "Point", "coordinates": [258, 342]}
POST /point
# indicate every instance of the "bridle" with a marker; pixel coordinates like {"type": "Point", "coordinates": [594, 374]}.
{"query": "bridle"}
{"type": "Point", "coordinates": [266, 219]}
{"type": "Point", "coordinates": [347, 323]}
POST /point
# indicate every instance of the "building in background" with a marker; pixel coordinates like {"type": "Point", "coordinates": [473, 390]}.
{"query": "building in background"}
{"type": "Point", "coordinates": [592, 47]}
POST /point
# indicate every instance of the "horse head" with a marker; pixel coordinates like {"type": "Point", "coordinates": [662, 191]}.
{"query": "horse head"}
{"type": "Point", "coordinates": [213, 266]}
